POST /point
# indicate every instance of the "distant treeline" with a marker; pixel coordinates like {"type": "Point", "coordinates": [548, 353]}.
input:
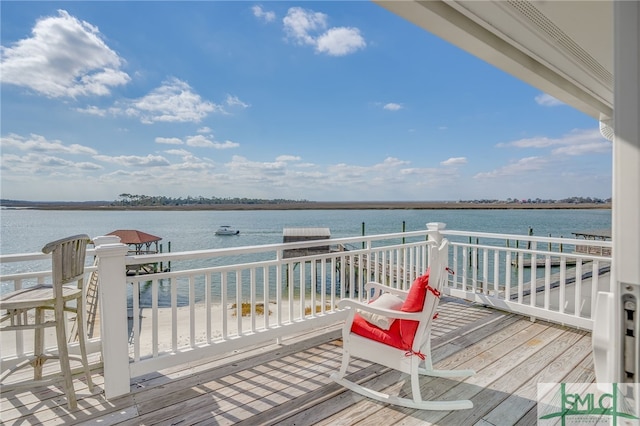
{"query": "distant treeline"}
{"type": "Point", "coordinates": [150, 200]}
{"type": "Point", "coordinates": [570, 200]}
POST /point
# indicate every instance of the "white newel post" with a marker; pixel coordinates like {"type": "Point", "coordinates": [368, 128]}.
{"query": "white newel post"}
{"type": "Point", "coordinates": [436, 227]}
{"type": "Point", "coordinates": [113, 310]}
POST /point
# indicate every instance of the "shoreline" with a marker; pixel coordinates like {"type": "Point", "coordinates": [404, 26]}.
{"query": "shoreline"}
{"type": "Point", "coordinates": [320, 205]}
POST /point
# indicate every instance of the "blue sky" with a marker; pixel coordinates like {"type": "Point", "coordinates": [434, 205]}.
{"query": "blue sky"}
{"type": "Point", "coordinates": [324, 101]}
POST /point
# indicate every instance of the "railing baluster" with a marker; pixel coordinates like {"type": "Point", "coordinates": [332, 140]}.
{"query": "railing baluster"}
{"type": "Point", "coordinates": [507, 276]}
{"type": "Point", "coordinates": [135, 312]}
{"type": "Point", "coordinates": [485, 271]}
{"type": "Point", "coordinates": [474, 269]}
{"type": "Point", "coordinates": [342, 276]}
{"type": "Point", "coordinates": [352, 281]}
{"type": "Point", "coordinates": [207, 305]}
{"type": "Point", "coordinates": [578, 289]}
{"type": "Point", "coordinates": [455, 278]}
{"type": "Point", "coordinates": [595, 275]}
{"type": "Point", "coordinates": [265, 295]}
{"type": "Point", "coordinates": [252, 295]}
{"type": "Point", "coordinates": [496, 273]}
{"type": "Point", "coordinates": [323, 285]}
{"type": "Point", "coordinates": [563, 283]}
{"type": "Point", "coordinates": [239, 302]}
{"type": "Point", "coordinates": [303, 286]}
{"type": "Point", "coordinates": [174, 315]}
{"type": "Point", "coordinates": [19, 333]}
{"type": "Point", "coordinates": [465, 262]}
{"type": "Point", "coordinates": [290, 285]}
{"type": "Point", "coordinates": [534, 274]}
{"type": "Point", "coordinates": [520, 276]}
{"type": "Point", "coordinates": [384, 269]}
{"type": "Point", "coordinates": [224, 288]}
{"type": "Point", "coordinates": [547, 281]}
{"type": "Point", "coordinates": [154, 318]}
{"type": "Point", "coordinates": [313, 277]}
{"type": "Point", "coordinates": [192, 312]}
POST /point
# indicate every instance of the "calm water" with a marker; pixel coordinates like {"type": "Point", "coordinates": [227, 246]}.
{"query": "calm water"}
{"type": "Point", "coordinates": [27, 231]}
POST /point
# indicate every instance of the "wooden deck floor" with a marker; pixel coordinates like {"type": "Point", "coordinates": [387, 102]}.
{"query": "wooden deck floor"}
{"type": "Point", "coordinates": [288, 384]}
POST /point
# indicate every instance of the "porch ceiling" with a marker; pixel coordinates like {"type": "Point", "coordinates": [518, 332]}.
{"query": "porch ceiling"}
{"type": "Point", "coordinates": [564, 48]}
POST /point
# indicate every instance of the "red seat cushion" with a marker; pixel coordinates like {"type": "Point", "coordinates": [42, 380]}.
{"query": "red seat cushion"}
{"type": "Point", "coordinates": [402, 332]}
{"type": "Point", "coordinates": [389, 337]}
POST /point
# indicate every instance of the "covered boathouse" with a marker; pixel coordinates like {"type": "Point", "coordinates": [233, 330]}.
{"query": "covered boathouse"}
{"type": "Point", "coordinates": [139, 243]}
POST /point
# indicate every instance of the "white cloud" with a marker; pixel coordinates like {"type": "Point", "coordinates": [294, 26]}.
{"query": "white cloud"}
{"type": "Point", "coordinates": [202, 141]}
{"type": "Point", "coordinates": [179, 152]}
{"type": "Point", "coordinates": [577, 142]}
{"type": "Point", "coordinates": [340, 41]}
{"type": "Point", "coordinates": [234, 101]}
{"type": "Point", "coordinates": [174, 101]}
{"type": "Point", "coordinates": [34, 164]}
{"type": "Point", "coordinates": [454, 161]}
{"type": "Point", "coordinates": [204, 130]}
{"type": "Point", "coordinates": [169, 141]}
{"type": "Point", "coordinates": [300, 22]}
{"type": "Point", "coordinates": [306, 27]}
{"type": "Point", "coordinates": [199, 141]}
{"type": "Point", "coordinates": [266, 16]}
{"type": "Point", "coordinates": [93, 110]}
{"type": "Point", "coordinates": [391, 162]}
{"type": "Point", "coordinates": [548, 100]}
{"type": "Point", "coordinates": [288, 158]}
{"type": "Point", "coordinates": [584, 148]}
{"type": "Point", "coordinates": [226, 145]}
{"type": "Point", "coordinates": [522, 166]}
{"type": "Point", "coordinates": [391, 106]}
{"type": "Point", "coordinates": [135, 160]}
{"type": "Point", "coordinates": [537, 142]}
{"type": "Point", "coordinates": [39, 143]}
{"type": "Point", "coordinates": [64, 57]}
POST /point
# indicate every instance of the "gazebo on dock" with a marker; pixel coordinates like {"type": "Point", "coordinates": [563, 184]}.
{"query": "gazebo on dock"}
{"type": "Point", "coordinates": [141, 242]}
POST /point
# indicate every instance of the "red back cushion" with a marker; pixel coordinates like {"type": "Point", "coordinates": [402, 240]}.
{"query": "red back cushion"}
{"type": "Point", "coordinates": [413, 303]}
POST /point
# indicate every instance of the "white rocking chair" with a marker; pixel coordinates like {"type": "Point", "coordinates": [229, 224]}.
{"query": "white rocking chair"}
{"type": "Point", "coordinates": [404, 344]}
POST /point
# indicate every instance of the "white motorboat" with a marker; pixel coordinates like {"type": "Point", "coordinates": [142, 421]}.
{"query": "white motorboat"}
{"type": "Point", "coordinates": [227, 230]}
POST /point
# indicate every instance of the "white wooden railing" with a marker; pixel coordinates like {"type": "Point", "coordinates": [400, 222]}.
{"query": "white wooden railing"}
{"type": "Point", "coordinates": [542, 277]}
{"type": "Point", "coordinates": [150, 322]}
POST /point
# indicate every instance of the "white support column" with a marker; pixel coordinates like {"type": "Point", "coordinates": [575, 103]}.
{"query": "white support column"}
{"type": "Point", "coordinates": [626, 185]}
{"type": "Point", "coordinates": [626, 147]}
{"type": "Point", "coordinates": [113, 310]}
{"type": "Point", "coordinates": [626, 179]}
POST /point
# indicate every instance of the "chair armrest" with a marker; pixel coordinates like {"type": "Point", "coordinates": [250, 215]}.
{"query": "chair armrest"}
{"type": "Point", "coordinates": [381, 288]}
{"type": "Point", "coordinates": [354, 304]}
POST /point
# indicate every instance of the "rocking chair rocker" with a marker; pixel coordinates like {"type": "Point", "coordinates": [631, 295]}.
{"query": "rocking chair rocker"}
{"type": "Point", "coordinates": [401, 337]}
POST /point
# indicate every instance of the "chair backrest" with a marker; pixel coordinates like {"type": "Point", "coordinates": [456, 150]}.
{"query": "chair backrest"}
{"type": "Point", "coordinates": [438, 271]}
{"type": "Point", "coordinates": [68, 259]}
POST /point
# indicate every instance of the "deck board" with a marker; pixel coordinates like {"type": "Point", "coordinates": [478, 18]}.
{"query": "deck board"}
{"type": "Point", "coordinates": [288, 384]}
